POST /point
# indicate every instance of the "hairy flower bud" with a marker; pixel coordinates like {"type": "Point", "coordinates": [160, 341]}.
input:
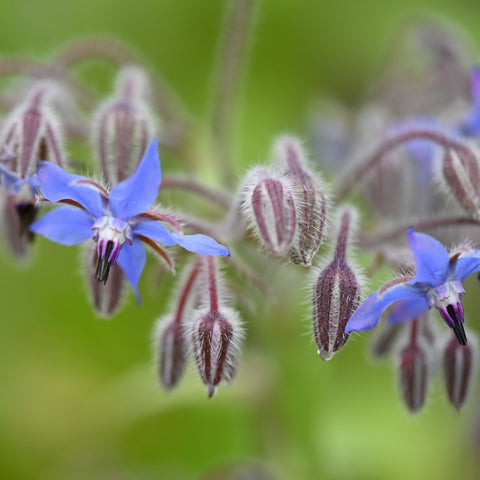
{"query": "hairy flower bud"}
{"type": "Point", "coordinates": [215, 334]}
{"type": "Point", "coordinates": [310, 200]}
{"type": "Point", "coordinates": [387, 338]}
{"type": "Point", "coordinates": [336, 293]}
{"type": "Point", "coordinates": [414, 370]}
{"type": "Point", "coordinates": [269, 208]}
{"type": "Point", "coordinates": [171, 336]}
{"type": "Point", "coordinates": [172, 347]}
{"type": "Point", "coordinates": [460, 176]}
{"type": "Point", "coordinates": [124, 126]}
{"type": "Point", "coordinates": [30, 133]}
{"type": "Point", "coordinates": [459, 366]}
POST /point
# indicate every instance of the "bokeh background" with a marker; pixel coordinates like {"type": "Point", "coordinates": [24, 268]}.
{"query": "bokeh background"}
{"type": "Point", "coordinates": [79, 398]}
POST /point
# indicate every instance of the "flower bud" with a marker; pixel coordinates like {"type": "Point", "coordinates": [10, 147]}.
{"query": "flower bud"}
{"type": "Point", "coordinates": [172, 346]}
{"type": "Point", "coordinates": [171, 337]}
{"type": "Point", "coordinates": [336, 293]}
{"type": "Point", "coordinates": [123, 126]}
{"type": "Point", "coordinates": [385, 341]}
{"type": "Point", "coordinates": [414, 369]}
{"type": "Point", "coordinates": [269, 207]}
{"type": "Point", "coordinates": [460, 175]}
{"type": "Point", "coordinates": [30, 133]}
{"type": "Point", "coordinates": [215, 334]}
{"type": "Point", "coordinates": [459, 367]}
{"type": "Point", "coordinates": [310, 200]}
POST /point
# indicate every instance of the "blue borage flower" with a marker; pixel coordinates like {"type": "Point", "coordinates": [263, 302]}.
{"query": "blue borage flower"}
{"type": "Point", "coordinates": [120, 219]}
{"type": "Point", "coordinates": [437, 283]}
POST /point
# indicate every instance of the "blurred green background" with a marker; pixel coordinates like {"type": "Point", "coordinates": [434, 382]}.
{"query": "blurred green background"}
{"type": "Point", "coordinates": [79, 396]}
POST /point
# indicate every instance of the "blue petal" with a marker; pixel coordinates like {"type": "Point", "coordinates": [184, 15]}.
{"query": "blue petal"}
{"type": "Point", "coordinates": [65, 225]}
{"type": "Point", "coordinates": [200, 244]}
{"type": "Point", "coordinates": [134, 195]}
{"type": "Point", "coordinates": [466, 265]}
{"type": "Point", "coordinates": [431, 259]}
{"type": "Point", "coordinates": [407, 310]}
{"type": "Point", "coordinates": [154, 230]}
{"type": "Point", "coordinates": [132, 261]}
{"type": "Point", "coordinates": [368, 314]}
{"type": "Point", "coordinates": [471, 125]}
{"type": "Point", "coordinates": [57, 184]}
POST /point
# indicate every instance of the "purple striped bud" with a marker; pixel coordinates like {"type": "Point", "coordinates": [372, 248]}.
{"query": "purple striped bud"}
{"type": "Point", "coordinates": [336, 293]}
{"type": "Point", "coordinates": [269, 208]}
{"type": "Point", "coordinates": [215, 333]}
{"type": "Point", "coordinates": [124, 126]}
{"type": "Point", "coordinates": [386, 340]}
{"type": "Point", "coordinates": [30, 133]}
{"type": "Point", "coordinates": [415, 371]}
{"type": "Point", "coordinates": [459, 367]}
{"type": "Point", "coordinates": [171, 337]}
{"type": "Point", "coordinates": [310, 200]}
{"type": "Point", "coordinates": [460, 176]}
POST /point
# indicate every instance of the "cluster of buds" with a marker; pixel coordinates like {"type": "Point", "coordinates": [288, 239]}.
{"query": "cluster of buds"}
{"type": "Point", "coordinates": [286, 204]}
{"type": "Point", "coordinates": [419, 350]}
{"type": "Point", "coordinates": [200, 324]}
{"type": "Point", "coordinates": [30, 133]}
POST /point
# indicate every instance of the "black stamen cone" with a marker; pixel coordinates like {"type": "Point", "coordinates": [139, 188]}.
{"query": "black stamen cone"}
{"type": "Point", "coordinates": [457, 328]}
{"type": "Point", "coordinates": [103, 265]}
{"type": "Point", "coordinates": [27, 212]}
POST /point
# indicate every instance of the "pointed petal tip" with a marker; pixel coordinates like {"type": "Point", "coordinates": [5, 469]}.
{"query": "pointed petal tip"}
{"type": "Point", "coordinates": [211, 390]}
{"type": "Point", "coordinates": [459, 332]}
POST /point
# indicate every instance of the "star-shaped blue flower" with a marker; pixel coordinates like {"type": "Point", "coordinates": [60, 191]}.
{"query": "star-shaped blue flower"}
{"type": "Point", "coordinates": [120, 219]}
{"type": "Point", "coordinates": [437, 283]}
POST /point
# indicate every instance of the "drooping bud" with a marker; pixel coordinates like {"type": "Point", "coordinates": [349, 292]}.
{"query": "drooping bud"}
{"type": "Point", "coordinates": [171, 337]}
{"type": "Point", "coordinates": [459, 364]}
{"type": "Point", "coordinates": [414, 371]}
{"type": "Point", "coordinates": [385, 341]}
{"type": "Point", "coordinates": [124, 126]}
{"type": "Point", "coordinates": [460, 176]}
{"type": "Point", "coordinates": [336, 292]}
{"type": "Point", "coordinates": [268, 206]}
{"type": "Point", "coordinates": [310, 199]}
{"type": "Point", "coordinates": [30, 133]}
{"type": "Point", "coordinates": [215, 332]}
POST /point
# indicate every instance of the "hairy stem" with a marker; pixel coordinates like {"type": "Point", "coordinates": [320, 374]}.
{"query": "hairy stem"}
{"type": "Point", "coordinates": [424, 224]}
{"type": "Point", "coordinates": [353, 176]}
{"type": "Point", "coordinates": [231, 60]}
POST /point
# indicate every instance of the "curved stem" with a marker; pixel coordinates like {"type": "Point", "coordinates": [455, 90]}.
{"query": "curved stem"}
{"type": "Point", "coordinates": [425, 224]}
{"type": "Point", "coordinates": [220, 198]}
{"type": "Point", "coordinates": [231, 60]}
{"type": "Point", "coordinates": [355, 174]}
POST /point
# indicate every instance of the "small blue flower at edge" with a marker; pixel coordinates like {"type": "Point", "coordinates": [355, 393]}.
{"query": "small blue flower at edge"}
{"type": "Point", "coordinates": [115, 218]}
{"type": "Point", "coordinates": [437, 283]}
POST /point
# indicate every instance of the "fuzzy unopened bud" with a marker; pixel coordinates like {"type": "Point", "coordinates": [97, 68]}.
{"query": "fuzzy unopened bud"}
{"type": "Point", "coordinates": [387, 338]}
{"type": "Point", "coordinates": [460, 175]}
{"type": "Point", "coordinates": [30, 134]}
{"type": "Point", "coordinates": [414, 371]}
{"type": "Point", "coordinates": [310, 200]}
{"type": "Point", "coordinates": [459, 364]}
{"type": "Point", "coordinates": [269, 208]}
{"type": "Point", "coordinates": [215, 334]}
{"type": "Point", "coordinates": [172, 344]}
{"type": "Point", "coordinates": [171, 336]}
{"type": "Point", "coordinates": [124, 126]}
{"type": "Point", "coordinates": [336, 293]}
